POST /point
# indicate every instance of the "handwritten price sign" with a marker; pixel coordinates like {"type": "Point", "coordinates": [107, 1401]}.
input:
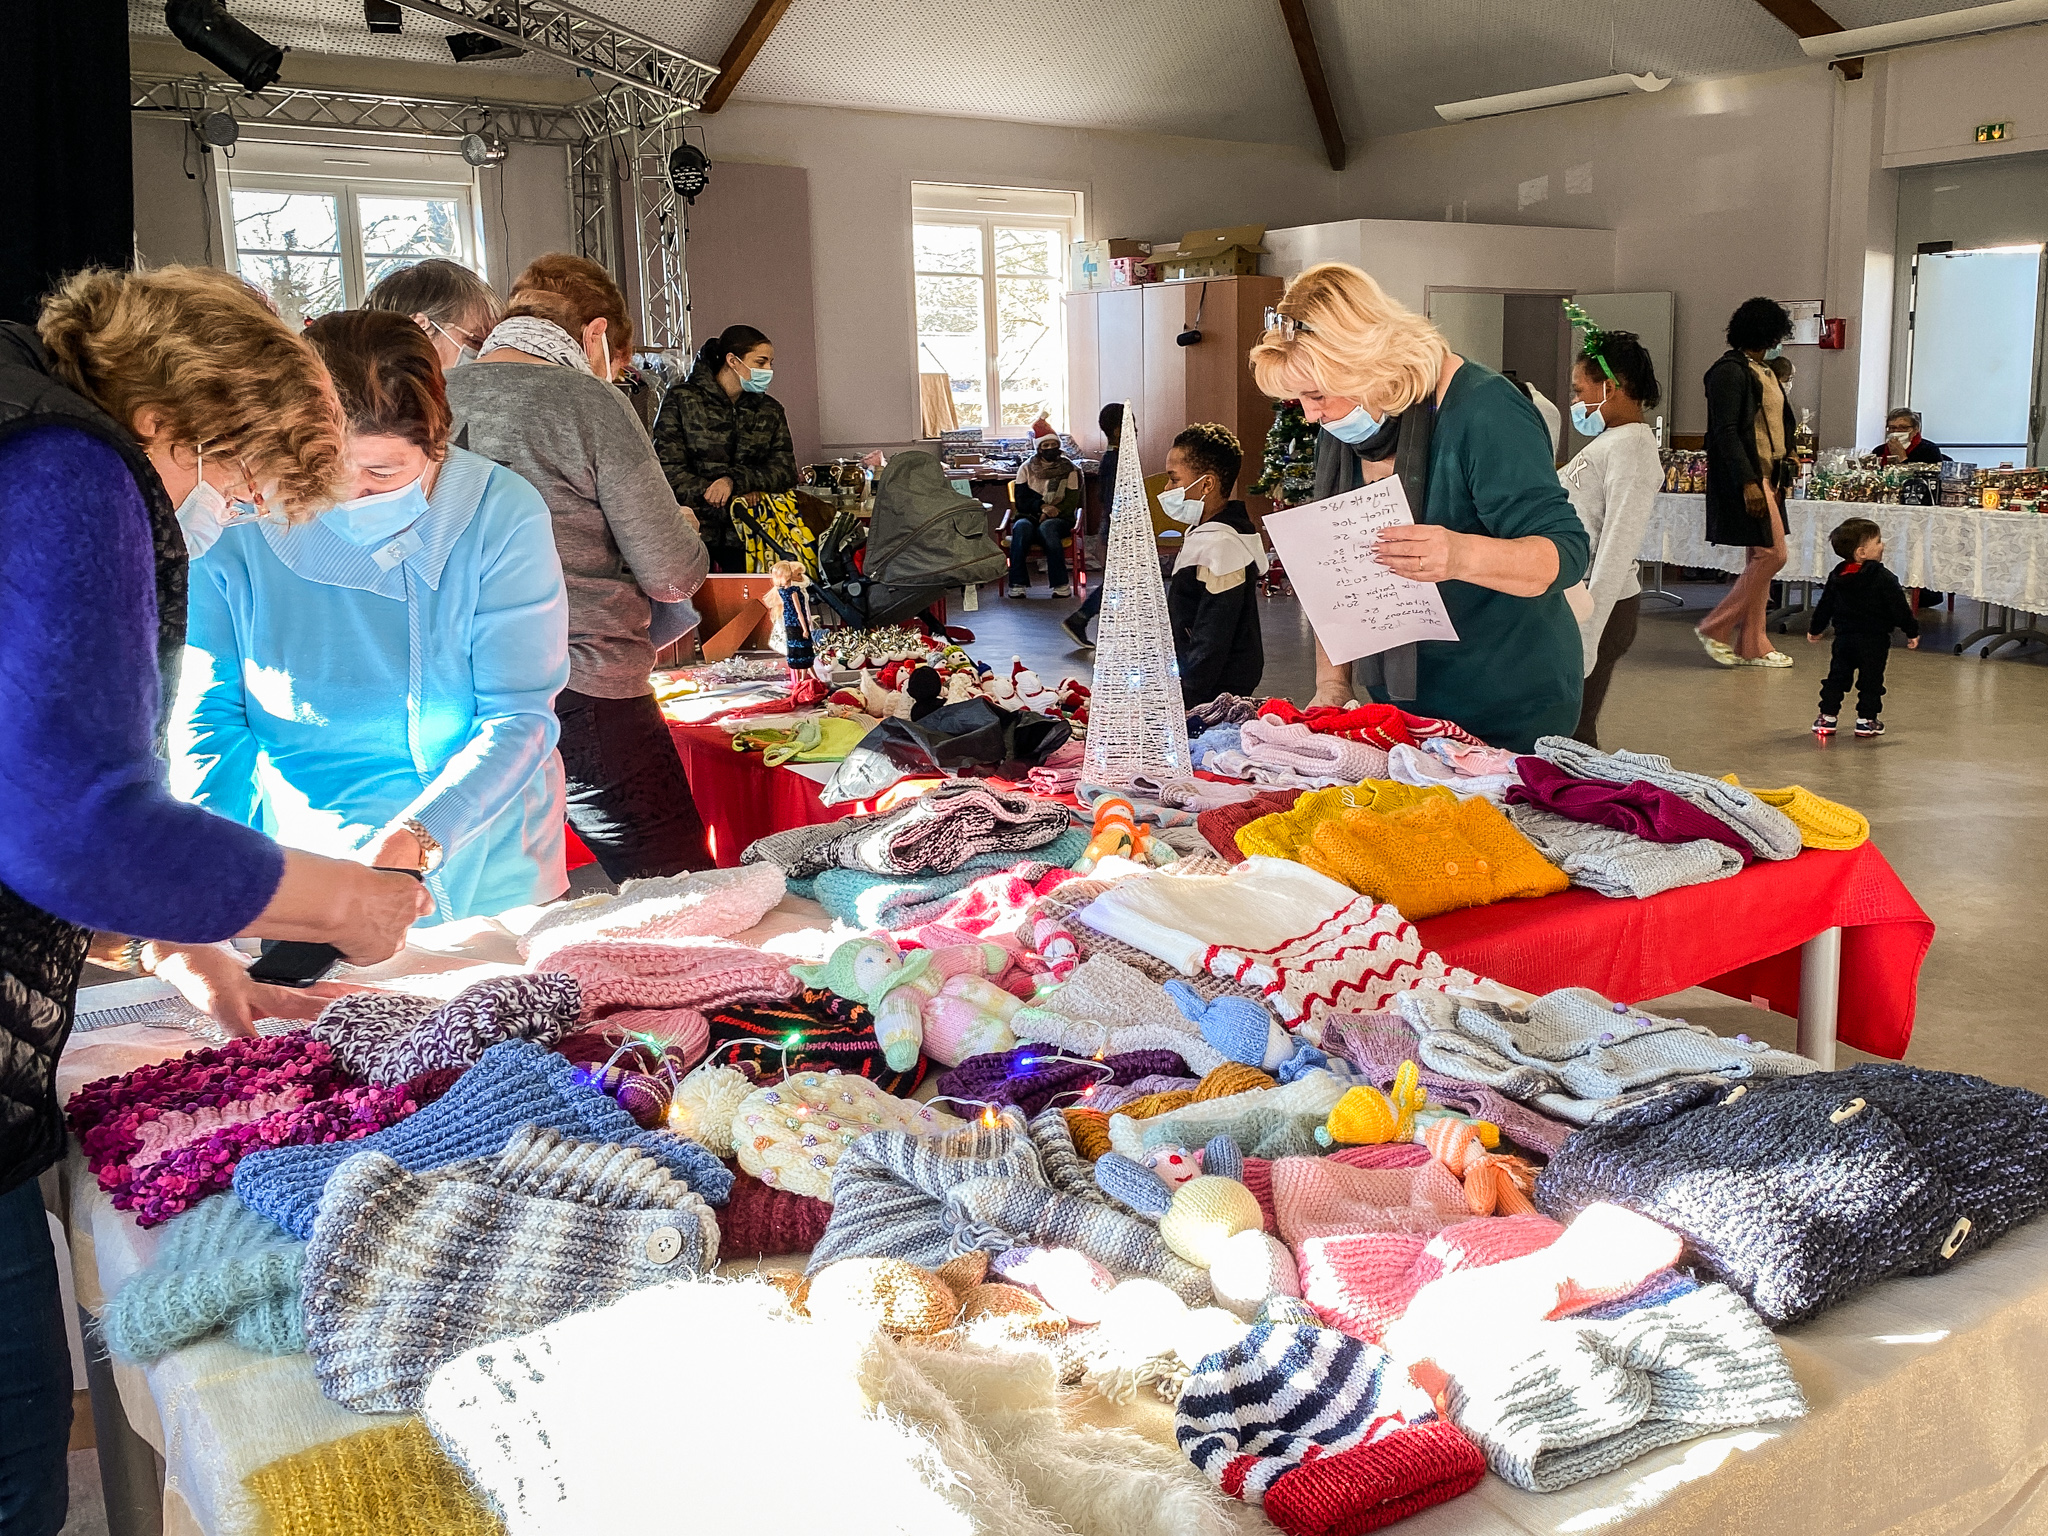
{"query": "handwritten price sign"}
{"type": "Point", "coordinates": [1357, 606]}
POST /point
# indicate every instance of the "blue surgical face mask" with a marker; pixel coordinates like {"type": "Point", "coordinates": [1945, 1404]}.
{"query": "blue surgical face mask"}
{"type": "Point", "coordinates": [1773, 353]}
{"type": "Point", "coordinates": [1356, 427]}
{"type": "Point", "coordinates": [370, 520]}
{"type": "Point", "coordinates": [757, 380]}
{"type": "Point", "coordinates": [1587, 420]}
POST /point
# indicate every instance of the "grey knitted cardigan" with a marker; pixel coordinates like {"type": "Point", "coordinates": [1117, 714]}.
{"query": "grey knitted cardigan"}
{"type": "Point", "coordinates": [1764, 827]}
{"type": "Point", "coordinates": [1800, 1192]}
{"type": "Point", "coordinates": [1616, 863]}
{"type": "Point", "coordinates": [1575, 1056]}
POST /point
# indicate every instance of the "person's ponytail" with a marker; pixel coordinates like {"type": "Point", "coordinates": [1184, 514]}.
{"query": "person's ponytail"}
{"type": "Point", "coordinates": [733, 341]}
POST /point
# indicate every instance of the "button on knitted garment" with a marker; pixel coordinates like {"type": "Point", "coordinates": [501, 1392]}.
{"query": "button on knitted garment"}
{"type": "Point", "coordinates": [406, 1270]}
{"type": "Point", "coordinates": [1322, 1431]}
{"type": "Point", "coordinates": [388, 1037]}
{"type": "Point", "coordinates": [218, 1267]}
{"type": "Point", "coordinates": [1765, 828]}
{"type": "Point", "coordinates": [1432, 858]}
{"type": "Point", "coordinates": [1613, 863]}
{"type": "Point", "coordinates": [1575, 1056]}
{"type": "Point", "coordinates": [1798, 1198]}
{"type": "Point", "coordinates": [515, 1084]}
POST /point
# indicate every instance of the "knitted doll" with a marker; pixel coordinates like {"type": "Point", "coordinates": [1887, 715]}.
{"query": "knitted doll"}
{"type": "Point", "coordinates": [940, 1001]}
{"type": "Point", "coordinates": [1117, 833]}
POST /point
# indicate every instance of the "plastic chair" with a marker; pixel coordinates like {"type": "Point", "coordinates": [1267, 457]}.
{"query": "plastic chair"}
{"type": "Point", "coordinates": [1069, 506]}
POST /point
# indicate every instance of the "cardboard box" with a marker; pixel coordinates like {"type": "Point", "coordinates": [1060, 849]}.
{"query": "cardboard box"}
{"type": "Point", "coordinates": [1129, 272]}
{"type": "Point", "coordinates": [1089, 261]}
{"type": "Point", "coordinates": [1231, 252]}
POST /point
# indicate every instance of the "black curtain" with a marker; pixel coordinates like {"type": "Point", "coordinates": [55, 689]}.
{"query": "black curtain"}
{"type": "Point", "coordinates": [67, 199]}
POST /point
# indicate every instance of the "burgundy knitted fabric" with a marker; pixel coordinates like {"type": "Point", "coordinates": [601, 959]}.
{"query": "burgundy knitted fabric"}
{"type": "Point", "coordinates": [1219, 827]}
{"type": "Point", "coordinates": [108, 1114]}
{"type": "Point", "coordinates": [1032, 1076]}
{"type": "Point", "coordinates": [1654, 814]}
{"type": "Point", "coordinates": [833, 1033]}
{"type": "Point", "coordinates": [763, 1223]}
{"type": "Point", "coordinates": [1378, 1043]}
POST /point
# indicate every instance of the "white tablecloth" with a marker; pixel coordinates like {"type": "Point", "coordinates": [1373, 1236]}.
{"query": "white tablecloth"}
{"type": "Point", "coordinates": [1995, 557]}
{"type": "Point", "coordinates": [1927, 1414]}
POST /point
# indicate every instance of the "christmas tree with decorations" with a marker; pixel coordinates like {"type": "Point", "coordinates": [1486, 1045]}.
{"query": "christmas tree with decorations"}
{"type": "Point", "coordinates": [1136, 721]}
{"type": "Point", "coordinates": [1288, 471]}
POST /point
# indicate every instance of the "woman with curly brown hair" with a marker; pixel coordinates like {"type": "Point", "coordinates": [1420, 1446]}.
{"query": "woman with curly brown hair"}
{"type": "Point", "coordinates": [142, 404]}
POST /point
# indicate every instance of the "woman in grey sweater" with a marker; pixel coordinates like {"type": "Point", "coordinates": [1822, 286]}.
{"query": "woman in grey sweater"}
{"type": "Point", "coordinates": [535, 401]}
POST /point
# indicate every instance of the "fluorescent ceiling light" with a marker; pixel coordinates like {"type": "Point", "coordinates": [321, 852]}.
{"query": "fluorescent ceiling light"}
{"type": "Point", "coordinates": [1560, 95]}
{"type": "Point", "coordinates": [1974, 22]}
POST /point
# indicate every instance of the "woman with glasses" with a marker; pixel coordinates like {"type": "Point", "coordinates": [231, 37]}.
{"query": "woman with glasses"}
{"type": "Point", "coordinates": [454, 306]}
{"type": "Point", "coordinates": [1493, 528]}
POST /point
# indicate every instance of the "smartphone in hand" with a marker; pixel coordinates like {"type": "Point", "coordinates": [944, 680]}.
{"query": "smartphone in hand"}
{"type": "Point", "coordinates": [300, 962]}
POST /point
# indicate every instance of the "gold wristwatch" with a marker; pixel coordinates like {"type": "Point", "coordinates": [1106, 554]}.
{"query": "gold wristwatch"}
{"type": "Point", "coordinates": [430, 846]}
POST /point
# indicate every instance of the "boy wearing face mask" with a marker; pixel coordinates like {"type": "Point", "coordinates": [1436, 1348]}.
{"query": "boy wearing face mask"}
{"type": "Point", "coordinates": [1212, 600]}
{"type": "Point", "coordinates": [1043, 481]}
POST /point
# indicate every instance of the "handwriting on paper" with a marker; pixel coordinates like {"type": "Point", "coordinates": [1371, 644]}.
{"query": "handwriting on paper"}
{"type": "Point", "coordinates": [1356, 605]}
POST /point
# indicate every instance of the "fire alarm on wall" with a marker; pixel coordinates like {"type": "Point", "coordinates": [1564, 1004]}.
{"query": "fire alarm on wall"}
{"type": "Point", "coordinates": [1834, 334]}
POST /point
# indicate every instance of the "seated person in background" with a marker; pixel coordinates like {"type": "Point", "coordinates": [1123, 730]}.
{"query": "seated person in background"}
{"type": "Point", "coordinates": [1212, 602]}
{"type": "Point", "coordinates": [378, 682]}
{"type": "Point", "coordinates": [1044, 481]}
{"type": "Point", "coordinates": [1903, 443]}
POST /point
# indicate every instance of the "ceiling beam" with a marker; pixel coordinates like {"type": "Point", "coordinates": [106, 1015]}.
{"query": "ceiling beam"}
{"type": "Point", "coordinates": [1298, 32]}
{"type": "Point", "coordinates": [1803, 18]}
{"type": "Point", "coordinates": [739, 53]}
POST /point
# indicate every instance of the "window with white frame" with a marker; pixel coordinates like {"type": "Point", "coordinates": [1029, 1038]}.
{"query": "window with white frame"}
{"type": "Point", "coordinates": [990, 265]}
{"type": "Point", "coordinates": [316, 227]}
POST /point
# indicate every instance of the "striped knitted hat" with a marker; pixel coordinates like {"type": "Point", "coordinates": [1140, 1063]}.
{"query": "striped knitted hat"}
{"type": "Point", "coordinates": [1321, 1430]}
{"type": "Point", "coordinates": [389, 1037]}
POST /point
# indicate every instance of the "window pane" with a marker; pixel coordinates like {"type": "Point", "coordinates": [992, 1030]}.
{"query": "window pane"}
{"type": "Point", "coordinates": [950, 335]}
{"type": "Point", "coordinates": [946, 248]}
{"type": "Point", "coordinates": [1031, 358]}
{"type": "Point", "coordinates": [287, 221]}
{"type": "Point", "coordinates": [303, 287]}
{"type": "Point", "coordinates": [1033, 252]}
{"type": "Point", "coordinates": [410, 226]}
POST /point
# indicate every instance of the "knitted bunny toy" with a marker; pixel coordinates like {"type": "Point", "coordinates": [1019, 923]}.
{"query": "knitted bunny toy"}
{"type": "Point", "coordinates": [939, 1001]}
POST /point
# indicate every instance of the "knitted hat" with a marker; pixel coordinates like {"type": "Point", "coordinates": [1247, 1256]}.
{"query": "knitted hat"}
{"type": "Point", "coordinates": [218, 1266]}
{"type": "Point", "coordinates": [889, 1190]}
{"type": "Point", "coordinates": [1238, 1027]}
{"type": "Point", "coordinates": [1361, 1282]}
{"type": "Point", "coordinates": [758, 1222]}
{"type": "Point", "coordinates": [515, 1084]}
{"type": "Point", "coordinates": [1110, 1008]}
{"type": "Point", "coordinates": [1318, 1197]}
{"type": "Point", "coordinates": [393, 1479]}
{"type": "Point", "coordinates": [1249, 1269]}
{"type": "Point", "coordinates": [1616, 1389]}
{"type": "Point", "coordinates": [995, 1213]}
{"type": "Point", "coordinates": [1433, 858]}
{"type": "Point", "coordinates": [618, 975]}
{"type": "Point", "coordinates": [1283, 834]}
{"type": "Point", "coordinates": [1801, 1191]}
{"type": "Point", "coordinates": [1821, 823]}
{"type": "Point", "coordinates": [711, 903]}
{"type": "Point", "coordinates": [388, 1037]}
{"type": "Point", "coordinates": [1206, 1213]}
{"type": "Point", "coordinates": [405, 1270]}
{"type": "Point", "coordinates": [1298, 748]}
{"type": "Point", "coordinates": [1321, 1431]}
{"type": "Point", "coordinates": [1032, 1076]}
{"type": "Point", "coordinates": [897, 1297]}
{"type": "Point", "coordinates": [791, 1134]}
{"type": "Point", "coordinates": [815, 1028]}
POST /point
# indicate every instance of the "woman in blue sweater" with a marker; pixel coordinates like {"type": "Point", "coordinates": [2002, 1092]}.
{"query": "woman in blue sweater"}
{"type": "Point", "coordinates": [139, 407]}
{"type": "Point", "coordinates": [379, 683]}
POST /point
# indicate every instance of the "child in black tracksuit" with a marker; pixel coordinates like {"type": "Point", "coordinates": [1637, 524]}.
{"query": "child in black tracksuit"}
{"type": "Point", "coordinates": [1865, 603]}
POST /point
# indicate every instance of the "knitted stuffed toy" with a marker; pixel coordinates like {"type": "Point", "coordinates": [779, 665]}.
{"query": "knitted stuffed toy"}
{"type": "Point", "coordinates": [1238, 1027]}
{"type": "Point", "coordinates": [923, 999]}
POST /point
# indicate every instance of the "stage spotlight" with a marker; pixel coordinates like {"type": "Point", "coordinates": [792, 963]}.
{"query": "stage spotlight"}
{"type": "Point", "coordinates": [474, 47]}
{"type": "Point", "coordinates": [689, 171]}
{"type": "Point", "coordinates": [383, 15]}
{"type": "Point", "coordinates": [205, 27]}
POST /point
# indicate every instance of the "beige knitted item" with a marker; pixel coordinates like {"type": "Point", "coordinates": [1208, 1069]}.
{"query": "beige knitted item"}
{"type": "Point", "coordinates": [1106, 1008]}
{"type": "Point", "coordinates": [1206, 1213]}
{"type": "Point", "coordinates": [790, 1134]}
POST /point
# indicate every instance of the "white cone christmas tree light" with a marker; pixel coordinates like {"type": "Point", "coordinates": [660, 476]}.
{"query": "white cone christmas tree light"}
{"type": "Point", "coordinates": [1136, 722]}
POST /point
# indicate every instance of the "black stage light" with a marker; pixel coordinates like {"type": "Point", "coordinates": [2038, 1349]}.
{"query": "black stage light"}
{"type": "Point", "coordinates": [689, 171]}
{"type": "Point", "coordinates": [473, 47]}
{"type": "Point", "coordinates": [383, 15]}
{"type": "Point", "coordinates": [205, 27]}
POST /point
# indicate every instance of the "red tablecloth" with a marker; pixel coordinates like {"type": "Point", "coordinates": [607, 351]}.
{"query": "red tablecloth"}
{"type": "Point", "coordinates": [1740, 936]}
{"type": "Point", "coordinates": [742, 798]}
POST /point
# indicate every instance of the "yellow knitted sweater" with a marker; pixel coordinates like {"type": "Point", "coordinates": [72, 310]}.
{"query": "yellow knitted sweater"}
{"type": "Point", "coordinates": [392, 1480]}
{"type": "Point", "coordinates": [1821, 823]}
{"type": "Point", "coordinates": [1433, 858]}
{"type": "Point", "coordinates": [1283, 834]}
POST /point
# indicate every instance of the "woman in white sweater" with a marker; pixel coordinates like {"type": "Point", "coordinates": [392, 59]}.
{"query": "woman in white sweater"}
{"type": "Point", "coordinates": [1613, 483]}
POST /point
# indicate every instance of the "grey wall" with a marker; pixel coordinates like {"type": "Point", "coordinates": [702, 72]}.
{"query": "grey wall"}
{"type": "Point", "coordinates": [525, 205]}
{"type": "Point", "coordinates": [174, 209]}
{"type": "Point", "coordinates": [750, 264]}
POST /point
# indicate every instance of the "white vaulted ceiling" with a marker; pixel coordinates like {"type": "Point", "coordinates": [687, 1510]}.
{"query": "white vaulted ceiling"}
{"type": "Point", "coordinates": [1220, 69]}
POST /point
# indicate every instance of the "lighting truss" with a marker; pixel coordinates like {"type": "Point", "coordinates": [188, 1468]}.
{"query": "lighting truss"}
{"type": "Point", "coordinates": [589, 42]}
{"type": "Point", "coordinates": [417, 117]}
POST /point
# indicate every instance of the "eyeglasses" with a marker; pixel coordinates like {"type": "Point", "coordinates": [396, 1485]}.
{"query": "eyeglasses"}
{"type": "Point", "coordinates": [1286, 325]}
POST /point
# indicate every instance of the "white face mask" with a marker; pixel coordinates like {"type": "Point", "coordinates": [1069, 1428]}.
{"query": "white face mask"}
{"type": "Point", "coordinates": [205, 512]}
{"type": "Point", "coordinates": [1180, 505]}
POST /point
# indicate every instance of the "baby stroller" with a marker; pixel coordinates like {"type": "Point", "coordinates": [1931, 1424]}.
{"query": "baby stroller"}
{"type": "Point", "coordinates": [924, 540]}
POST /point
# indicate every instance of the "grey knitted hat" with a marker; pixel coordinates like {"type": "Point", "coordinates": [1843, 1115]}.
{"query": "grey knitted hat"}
{"type": "Point", "coordinates": [1800, 1192]}
{"type": "Point", "coordinates": [1554, 1403]}
{"type": "Point", "coordinates": [390, 1037]}
{"type": "Point", "coordinates": [406, 1270]}
{"type": "Point", "coordinates": [889, 1189]}
{"type": "Point", "coordinates": [993, 1214]}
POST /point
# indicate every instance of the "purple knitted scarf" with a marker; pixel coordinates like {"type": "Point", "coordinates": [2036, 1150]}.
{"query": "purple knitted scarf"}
{"type": "Point", "coordinates": [1032, 1076]}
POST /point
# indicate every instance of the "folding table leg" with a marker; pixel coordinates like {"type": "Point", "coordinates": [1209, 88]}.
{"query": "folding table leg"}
{"type": "Point", "coordinates": [1820, 986]}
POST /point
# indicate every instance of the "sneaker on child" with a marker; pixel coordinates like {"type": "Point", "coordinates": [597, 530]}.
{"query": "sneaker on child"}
{"type": "Point", "coordinates": [1826, 725]}
{"type": "Point", "coordinates": [1869, 727]}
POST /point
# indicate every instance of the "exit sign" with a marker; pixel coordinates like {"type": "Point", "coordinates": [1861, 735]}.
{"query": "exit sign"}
{"type": "Point", "coordinates": [1992, 133]}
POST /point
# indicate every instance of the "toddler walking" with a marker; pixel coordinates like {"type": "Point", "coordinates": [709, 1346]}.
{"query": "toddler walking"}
{"type": "Point", "coordinates": [1865, 603]}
